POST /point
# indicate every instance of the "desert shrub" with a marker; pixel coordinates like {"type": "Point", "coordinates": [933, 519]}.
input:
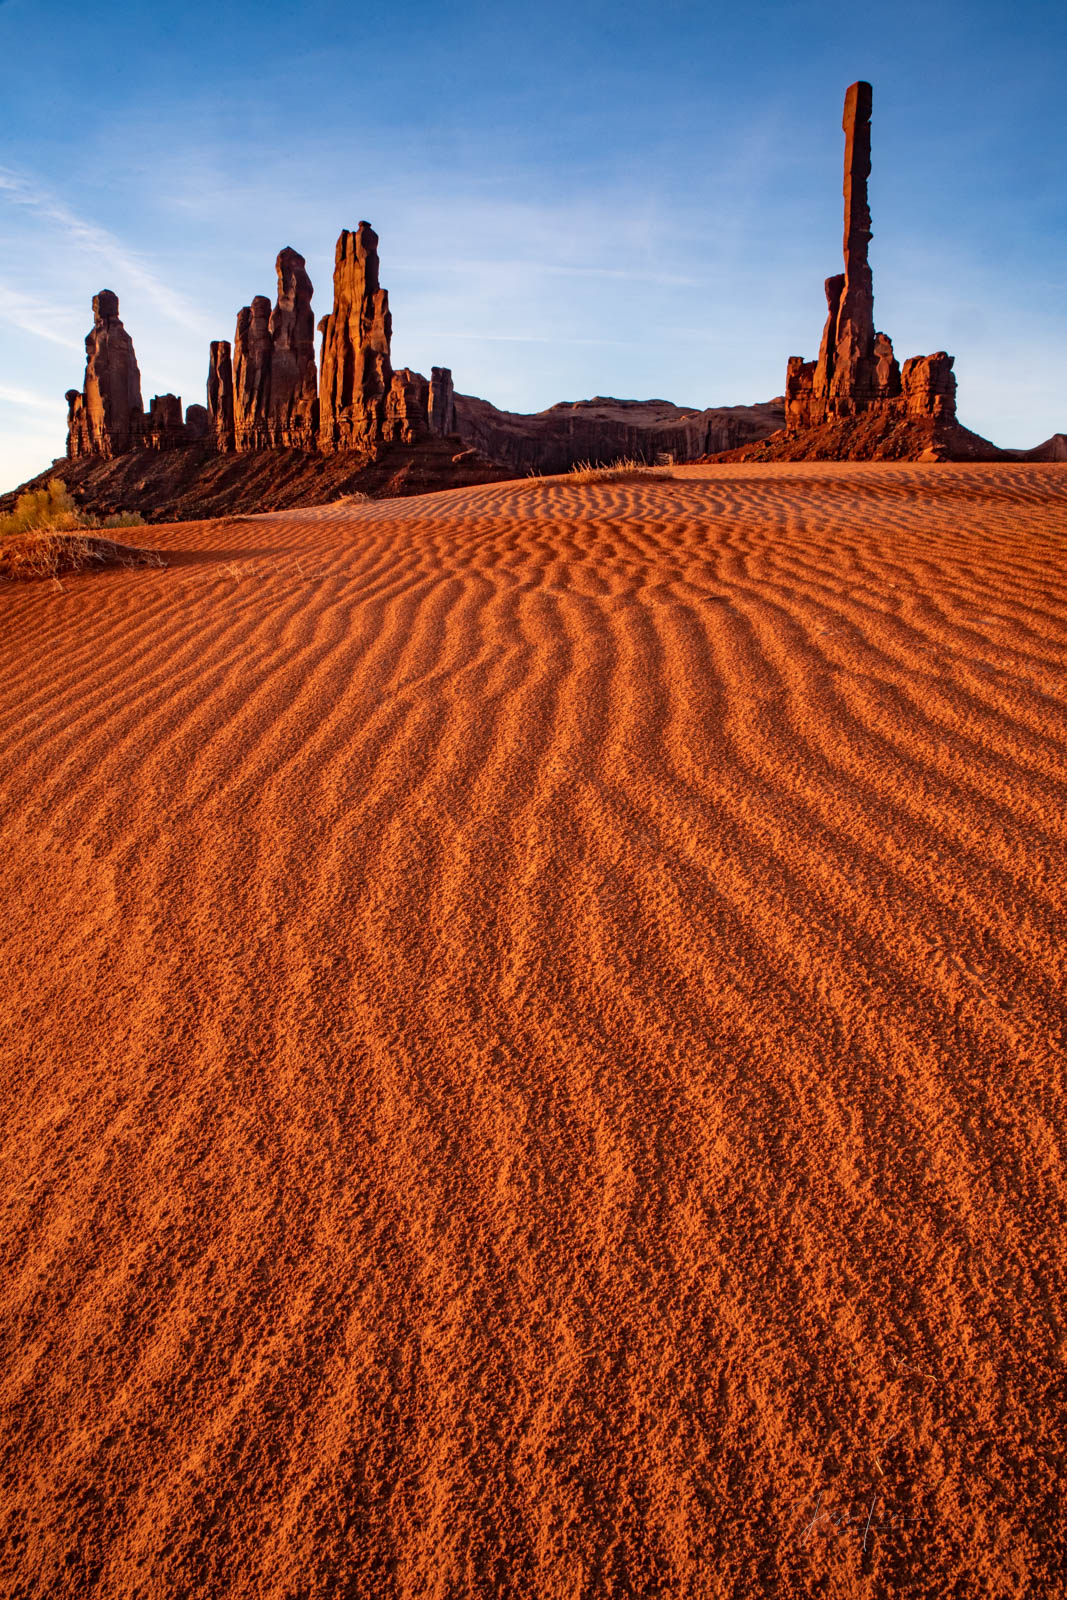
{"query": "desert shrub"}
{"type": "Point", "coordinates": [56, 553]}
{"type": "Point", "coordinates": [586, 472]}
{"type": "Point", "coordinates": [123, 519]}
{"type": "Point", "coordinates": [53, 509]}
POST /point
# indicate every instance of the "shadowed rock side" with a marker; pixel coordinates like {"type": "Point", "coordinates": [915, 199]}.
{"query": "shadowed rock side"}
{"type": "Point", "coordinates": [294, 404]}
{"type": "Point", "coordinates": [1054, 449]}
{"type": "Point", "coordinates": [605, 430]}
{"type": "Point", "coordinates": [198, 423]}
{"type": "Point", "coordinates": [442, 402]}
{"type": "Point", "coordinates": [251, 375]}
{"type": "Point", "coordinates": [164, 426]}
{"type": "Point", "coordinates": [854, 401]}
{"type": "Point", "coordinates": [198, 480]}
{"type": "Point", "coordinates": [220, 395]}
{"type": "Point", "coordinates": [104, 417]}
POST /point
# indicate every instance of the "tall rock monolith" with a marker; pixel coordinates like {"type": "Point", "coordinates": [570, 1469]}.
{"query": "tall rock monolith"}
{"type": "Point", "coordinates": [293, 399]}
{"type": "Point", "coordinates": [104, 417]}
{"type": "Point", "coordinates": [251, 376]}
{"type": "Point", "coordinates": [442, 402]}
{"type": "Point", "coordinates": [355, 372]}
{"type": "Point", "coordinates": [220, 395]}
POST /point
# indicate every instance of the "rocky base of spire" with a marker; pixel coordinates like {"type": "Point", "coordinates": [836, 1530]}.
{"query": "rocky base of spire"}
{"type": "Point", "coordinates": [924, 387]}
{"type": "Point", "coordinates": [877, 434]}
{"type": "Point", "coordinates": [199, 481]}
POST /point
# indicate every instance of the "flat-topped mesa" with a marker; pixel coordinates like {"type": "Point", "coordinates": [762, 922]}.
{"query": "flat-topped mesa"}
{"type": "Point", "coordinates": [293, 404]}
{"type": "Point", "coordinates": [220, 396]}
{"type": "Point", "coordinates": [856, 370]}
{"type": "Point", "coordinates": [104, 417]}
{"type": "Point", "coordinates": [251, 375]}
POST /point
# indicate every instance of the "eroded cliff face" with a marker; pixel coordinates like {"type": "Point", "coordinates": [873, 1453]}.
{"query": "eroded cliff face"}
{"type": "Point", "coordinates": [856, 370]}
{"type": "Point", "coordinates": [104, 417]}
{"type": "Point", "coordinates": [605, 429]}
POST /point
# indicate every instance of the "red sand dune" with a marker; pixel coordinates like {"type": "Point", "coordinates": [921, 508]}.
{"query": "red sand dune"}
{"type": "Point", "coordinates": [534, 1059]}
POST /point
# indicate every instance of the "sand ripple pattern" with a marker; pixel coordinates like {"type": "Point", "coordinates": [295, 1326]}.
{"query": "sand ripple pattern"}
{"type": "Point", "coordinates": [534, 1047]}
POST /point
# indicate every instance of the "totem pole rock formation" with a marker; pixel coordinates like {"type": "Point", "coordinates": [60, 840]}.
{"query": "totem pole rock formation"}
{"type": "Point", "coordinates": [856, 370]}
{"type": "Point", "coordinates": [251, 375]}
{"type": "Point", "coordinates": [293, 400]}
{"type": "Point", "coordinates": [104, 417]}
{"type": "Point", "coordinates": [220, 395]}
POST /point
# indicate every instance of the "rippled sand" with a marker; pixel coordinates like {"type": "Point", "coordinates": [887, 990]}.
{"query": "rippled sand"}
{"type": "Point", "coordinates": [534, 1052]}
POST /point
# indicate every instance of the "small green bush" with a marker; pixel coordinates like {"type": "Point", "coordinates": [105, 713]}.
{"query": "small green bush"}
{"type": "Point", "coordinates": [123, 519]}
{"type": "Point", "coordinates": [53, 509]}
{"type": "Point", "coordinates": [42, 508]}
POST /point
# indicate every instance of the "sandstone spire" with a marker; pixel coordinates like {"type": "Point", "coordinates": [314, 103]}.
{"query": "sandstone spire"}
{"type": "Point", "coordinates": [856, 369]}
{"type": "Point", "coordinates": [251, 375]}
{"type": "Point", "coordinates": [104, 418]}
{"type": "Point", "coordinates": [220, 395]}
{"type": "Point", "coordinates": [293, 394]}
{"type": "Point", "coordinates": [442, 403]}
{"type": "Point", "coordinates": [854, 343]}
{"type": "Point", "coordinates": [355, 370]}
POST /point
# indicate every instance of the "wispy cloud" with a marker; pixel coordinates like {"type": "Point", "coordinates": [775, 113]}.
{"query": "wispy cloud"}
{"type": "Point", "coordinates": [11, 396]}
{"type": "Point", "coordinates": [36, 316]}
{"type": "Point", "coordinates": [127, 265]}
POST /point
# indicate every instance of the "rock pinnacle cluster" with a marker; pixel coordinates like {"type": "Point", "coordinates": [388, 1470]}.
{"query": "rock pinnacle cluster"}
{"type": "Point", "coordinates": [264, 390]}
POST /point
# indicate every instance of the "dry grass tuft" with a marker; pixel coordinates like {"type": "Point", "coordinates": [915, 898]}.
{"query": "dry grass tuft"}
{"type": "Point", "coordinates": [56, 553]}
{"type": "Point", "coordinates": [46, 536]}
{"type": "Point", "coordinates": [586, 472]}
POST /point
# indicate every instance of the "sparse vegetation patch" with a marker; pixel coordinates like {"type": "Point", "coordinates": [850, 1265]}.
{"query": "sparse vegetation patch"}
{"type": "Point", "coordinates": [46, 536]}
{"type": "Point", "coordinates": [586, 472]}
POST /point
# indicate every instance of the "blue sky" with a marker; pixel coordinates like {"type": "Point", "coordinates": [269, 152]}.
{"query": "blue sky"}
{"type": "Point", "coordinates": [572, 198]}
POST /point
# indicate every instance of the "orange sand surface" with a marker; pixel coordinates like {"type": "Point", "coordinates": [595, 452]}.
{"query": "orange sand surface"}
{"type": "Point", "coordinates": [534, 1047]}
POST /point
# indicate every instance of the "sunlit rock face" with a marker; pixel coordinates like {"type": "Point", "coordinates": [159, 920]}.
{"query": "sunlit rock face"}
{"type": "Point", "coordinates": [104, 417]}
